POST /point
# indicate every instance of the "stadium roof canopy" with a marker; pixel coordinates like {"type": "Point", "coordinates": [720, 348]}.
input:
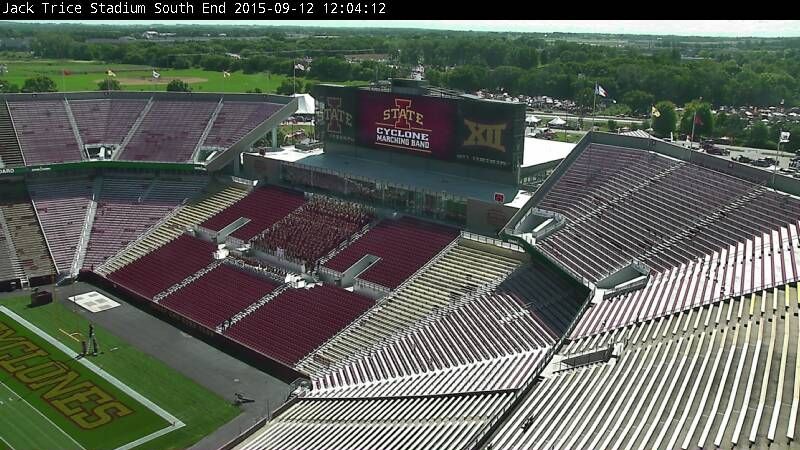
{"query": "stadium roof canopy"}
{"type": "Point", "coordinates": [305, 104]}
{"type": "Point", "coordinates": [541, 151]}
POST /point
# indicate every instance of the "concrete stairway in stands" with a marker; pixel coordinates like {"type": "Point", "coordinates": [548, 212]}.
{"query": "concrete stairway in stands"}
{"type": "Point", "coordinates": [10, 153]}
{"type": "Point", "coordinates": [218, 198]}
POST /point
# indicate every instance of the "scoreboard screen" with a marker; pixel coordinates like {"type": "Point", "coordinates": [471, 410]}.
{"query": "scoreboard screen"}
{"type": "Point", "coordinates": [467, 130]}
{"type": "Point", "coordinates": [406, 123]}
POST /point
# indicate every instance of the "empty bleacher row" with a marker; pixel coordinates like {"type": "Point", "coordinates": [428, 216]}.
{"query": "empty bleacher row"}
{"type": "Point", "coordinates": [263, 206]}
{"type": "Point", "coordinates": [166, 266]}
{"type": "Point", "coordinates": [170, 131]}
{"type": "Point", "coordinates": [61, 204]}
{"type": "Point", "coordinates": [547, 294]}
{"type": "Point", "coordinates": [236, 119]}
{"type": "Point", "coordinates": [218, 295]}
{"type": "Point", "coordinates": [10, 153]}
{"type": "Point", "coordinates": [152, 129]}
{"type": "Point", "coordinates": [768, 260]}
{"type": "Point", "coordinates": [734, 382]}
{"type": "Point", "coordinates": [9, 267]}
{"type": "Point", "coordinates": [599, 175]}
{"type": "Point", "coordinates": [489, 343]}
{"type": "Point", "coordinates": [391, 241]}
{"type": "Point", "coordinates": [297, 321]}
{"type": "Point", "coordinates": [661, 211]}
{"type": "Point", "coordinates": [105, 121]}
{"type": "Point", "coordinates": [314, 229]}
{"type": "Point", "coordinates": [126, 208]}
{"type": "Point", "coordinates": [215, 199]}
{"type": "Point", "coordinates": [26, 234]}
{"type": "Point", "coordinates": [461, 270]}
{"type": "Point", "coordinates": [44, 131]}
{"type": "Point", "coordinates": [451, 422]}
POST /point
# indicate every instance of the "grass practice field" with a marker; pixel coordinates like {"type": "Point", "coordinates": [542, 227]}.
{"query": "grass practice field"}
{"type": "Point", "coordinates": [51, 400]}
{"type": "Point", "coordinates": [85, 75]}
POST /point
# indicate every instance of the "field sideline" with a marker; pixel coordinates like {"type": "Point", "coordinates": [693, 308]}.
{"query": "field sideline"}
{"type": "Point", "coordinates": [182, 411]}
{"type": "Point", "coordinates": [58, 398]}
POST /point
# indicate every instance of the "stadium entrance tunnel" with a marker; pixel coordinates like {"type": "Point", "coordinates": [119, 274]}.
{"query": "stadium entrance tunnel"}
{"type": "Point", "coordinates": [537, 224]}
{"type": "Point", "coordinates": [629, 277]}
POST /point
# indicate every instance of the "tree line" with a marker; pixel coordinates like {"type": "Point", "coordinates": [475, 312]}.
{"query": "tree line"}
{"type": "Point", "coordinates": [743, 74]}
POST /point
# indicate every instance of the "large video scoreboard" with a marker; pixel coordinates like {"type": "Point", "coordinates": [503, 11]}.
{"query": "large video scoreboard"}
{"type": "Point", "coordinates": [460, 129]}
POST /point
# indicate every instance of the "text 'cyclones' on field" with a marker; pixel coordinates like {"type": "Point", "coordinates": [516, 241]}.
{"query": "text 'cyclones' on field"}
{"type": "Point", "coordinates": [79, 400]}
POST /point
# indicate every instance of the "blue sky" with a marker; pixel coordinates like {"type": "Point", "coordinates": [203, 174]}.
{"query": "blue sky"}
{"type": "Point", "coordinates": [728, 28]}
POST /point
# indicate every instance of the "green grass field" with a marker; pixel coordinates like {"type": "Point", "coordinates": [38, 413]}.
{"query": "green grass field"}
{"type": "Point", "coordinates": [85, 75]}
{"type": "Point", "coordinates": [199, 409]}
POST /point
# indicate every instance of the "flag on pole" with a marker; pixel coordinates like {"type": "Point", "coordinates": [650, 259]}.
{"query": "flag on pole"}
{"type": "Point", "coordinates": [110, 73]}
{"type": "Point", "coordinates": [299, 67]}
{"type": "Point", "coordinates": [226, 74]}
{"type": "Point", "coordinates": [784, 136]}
{"type": "Point", "coordinates": [698, 120]}
{"type": "Point", "coordinates": [66, 72]}
{"type": "Point", "coordinates": [598, 90]}
{"type": "Point", "coordinates": [654, 112]}
{"type": "Point", "coordinates": [156, 75]}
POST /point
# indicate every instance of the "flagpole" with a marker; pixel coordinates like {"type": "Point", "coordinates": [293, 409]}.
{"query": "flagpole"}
{"type": "Point", "coordinates": [594, 104]}
{"type": "Point", "coordinates": [694, 122]}
{"type": "Point", "coordinates": [777, 163]}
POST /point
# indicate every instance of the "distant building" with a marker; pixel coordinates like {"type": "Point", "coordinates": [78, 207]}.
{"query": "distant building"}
{"type": "Point", "coordinates": [378, 57]}
{"type": "Point", "coordinates": [156, 35]}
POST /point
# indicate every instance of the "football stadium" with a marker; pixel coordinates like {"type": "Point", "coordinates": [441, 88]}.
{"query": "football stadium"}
{"type": "Point", "coordinates": [420, 275]}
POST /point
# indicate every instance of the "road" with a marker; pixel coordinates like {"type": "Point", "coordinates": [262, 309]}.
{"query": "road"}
{"type": "Point", "coordinates": [547, 116]}
{"type": "Point", "coordinates": [736, 150]}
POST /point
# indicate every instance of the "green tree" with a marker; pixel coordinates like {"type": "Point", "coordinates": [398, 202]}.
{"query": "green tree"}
{"type": "Point", "coordinates": [612, 125]}
{"type": "Point", "coordinates": [287, 87]}
{"type": "Point", "coordinates": [178, 86]}
{"type": "Point", "coordinates": [758, 136]}
{"type": "Point", "coordinates": [702, 123]}
{"type": "Point", "coordinates": [584, 97]}
{"type": "Point", "coordinates": [664, 124]}
{"type": "Point", "coordinates": [639, 101]}
{"type": "Point", "coordinates": [794, 139]}
{"type": "Point", "coordinates": [468, 78]}
{"type": "Point", "coordinates": [328, 68]}
{"type": "Point", "coordinates": [8, 88]}
{"type": "Point", "coordinates": [109, 84]}
{"type": "Point", "coordinates": [39, 83]}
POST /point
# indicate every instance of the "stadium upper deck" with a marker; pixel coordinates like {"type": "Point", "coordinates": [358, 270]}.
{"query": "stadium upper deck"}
{"type": "Point", "coordinates": [42, 129]}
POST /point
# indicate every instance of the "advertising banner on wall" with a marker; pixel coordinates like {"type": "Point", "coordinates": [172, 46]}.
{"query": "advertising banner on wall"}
{"type": "Point", "coordinates": [336, 113]}
{"type": "Point", "coordinates": [407, 123]}
{"type": "Point", "coordinates": [490, 133]}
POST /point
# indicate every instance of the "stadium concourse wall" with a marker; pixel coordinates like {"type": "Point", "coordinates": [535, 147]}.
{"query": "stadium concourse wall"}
{"type": "Point", "coordinates": [455, 168]}
{"type": "Point", "coordinates": [108, 164]}
{"type": "Point", "coordinates": [262, 362]}
{"type": "Point", "coordinates": [482, 217]}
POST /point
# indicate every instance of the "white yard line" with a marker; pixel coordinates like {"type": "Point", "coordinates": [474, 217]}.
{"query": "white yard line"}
{"type": "Point", "coordinates": [6, 443]}
{"type": "Point", "coordinates": [174, 421]}
{"type": "Point", "coordinates": [45, 417]}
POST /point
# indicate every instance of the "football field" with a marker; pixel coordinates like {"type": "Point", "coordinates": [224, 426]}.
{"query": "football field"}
{"type": "Point", "coordinates": [51, 399]}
